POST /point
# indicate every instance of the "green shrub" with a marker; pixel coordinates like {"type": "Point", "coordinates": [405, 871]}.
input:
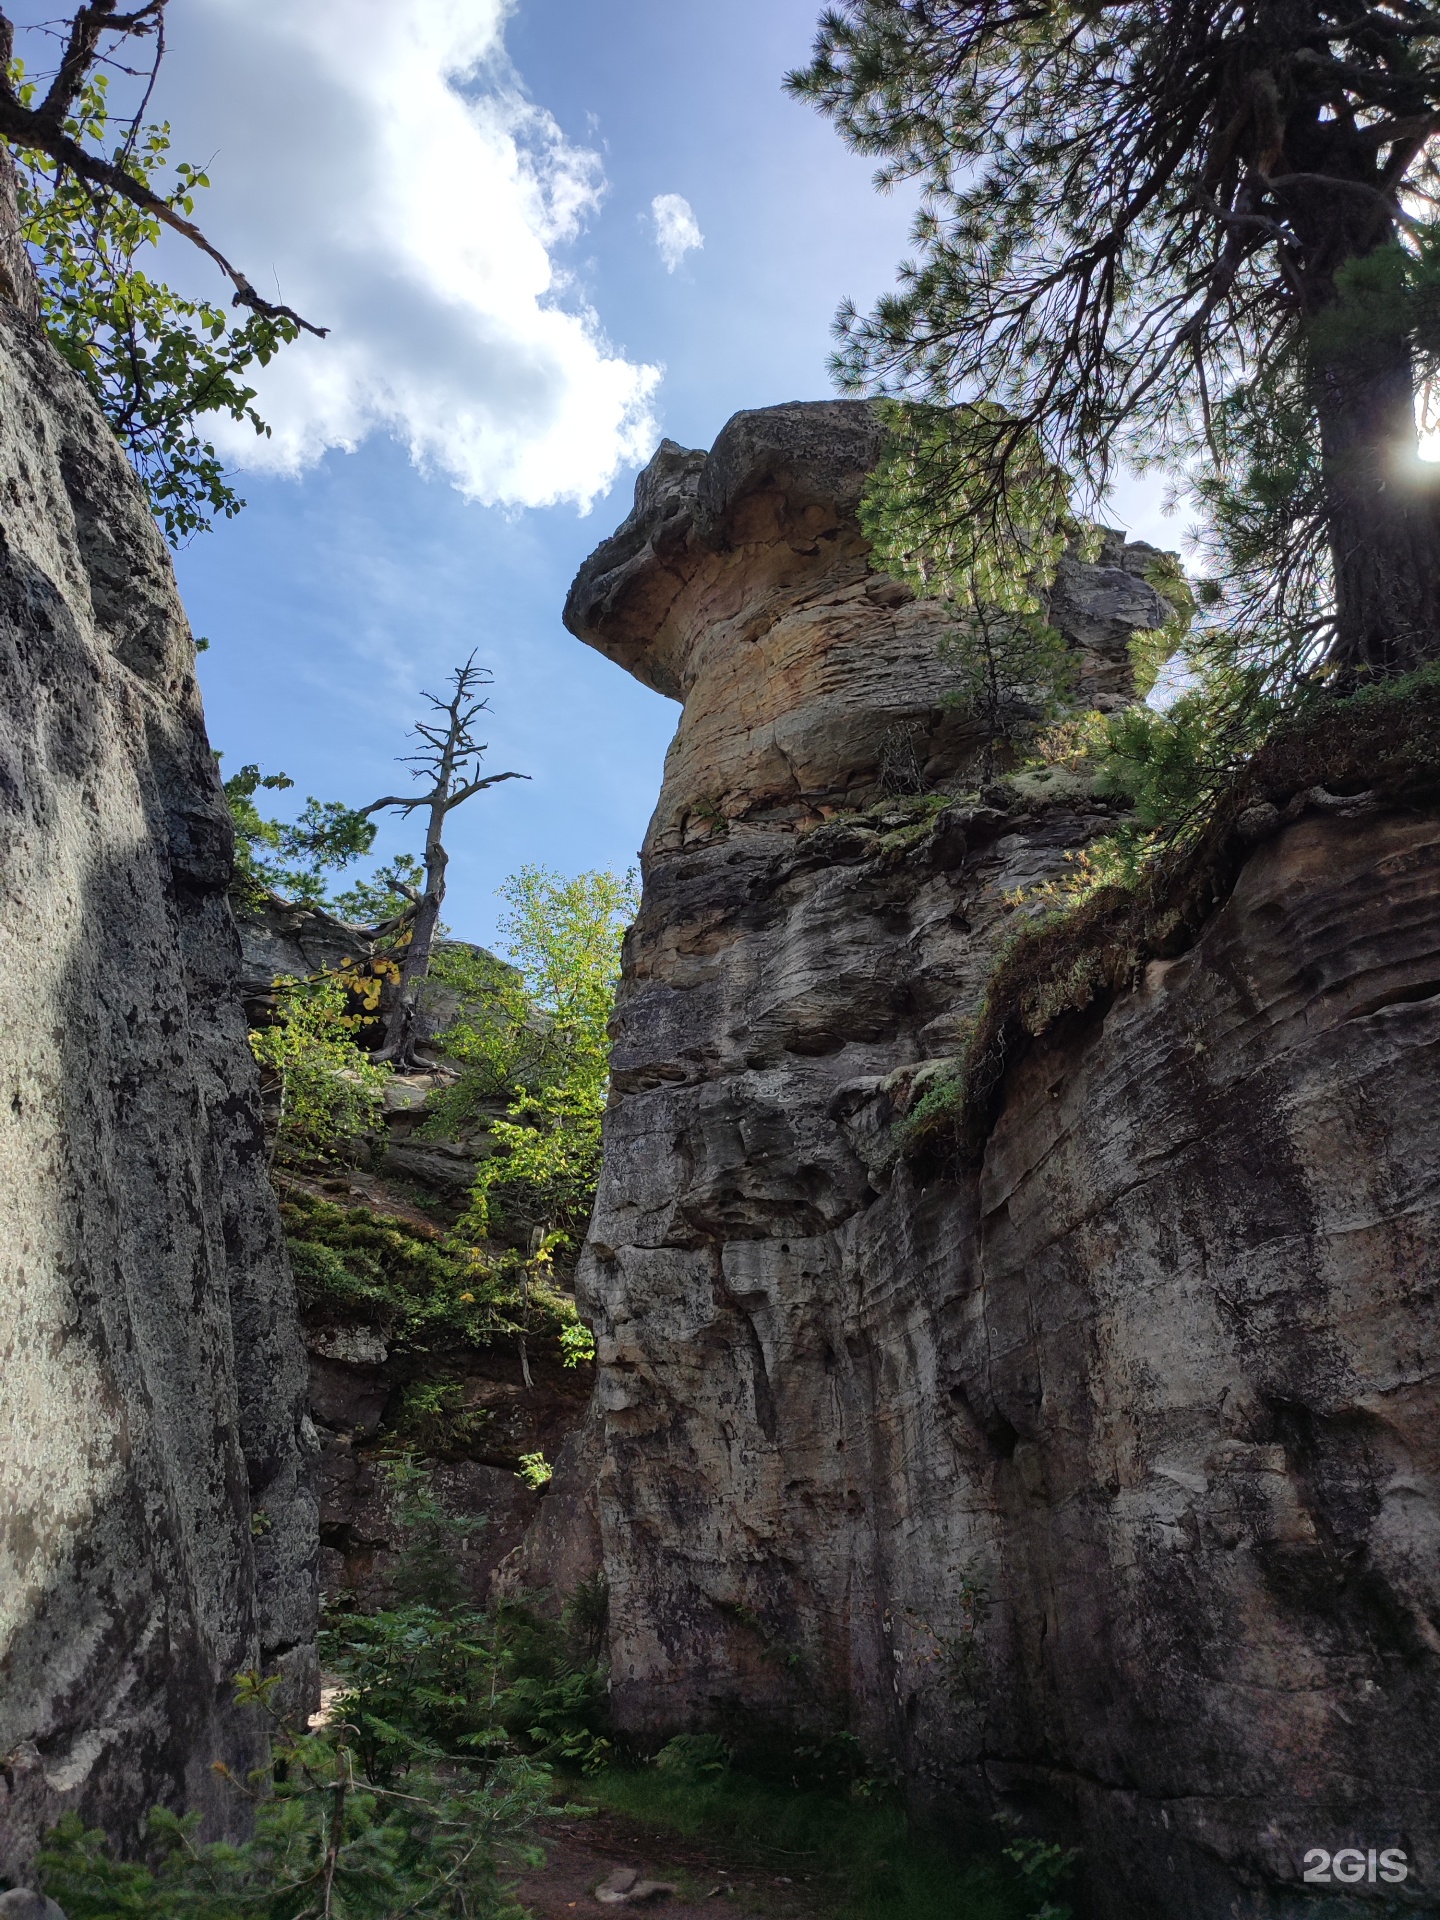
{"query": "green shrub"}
{"type": "Point", "coordinates": [328, 1839]}
{"type": "Point", "coordinates": [587, 1612]}
{"type": "Point", "coordinates": [536, 1471]}
{"type": "Point", "coordinates": [433, 1675]}
{"type": "Point", "coordinates": [330, 1093]}
{"type": "Point", "coordinates": [1171, 766]}
{"type": "Point", "coordinates": [435, 1419]}
{"type": "Point", "coordinates": [418, 1794]}
{"type": "Point", "coordinates": [358, 1258]}
{"type": "Point", "coordinates": [541, 1040]}
{"type": "Point", "coordinates": [941, 1105]}
{"type": "Point", "coordinates": [459, 1682]}
{"type": "Point", "coordinates": [426, 1570]}
{"type": "Point", "coordinates": [420, 1681]}
{"type": "Point", "coordinates": [577, 1344]}
{"type": "Point", "coordinates": [1044, 1868]}
{"type": "Point", "coordinates": [289, 858]}
{"type": "Point", "coordinates": [554, 1701]}
{"type": "Point", "coordinates": [695, 1756]}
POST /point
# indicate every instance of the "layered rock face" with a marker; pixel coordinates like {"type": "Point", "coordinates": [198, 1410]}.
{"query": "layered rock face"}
{"type": "Point", "coordinates": [157, 1532]}
{"type": "Point", "coordinates": [1098, 1485]}
{"type": "Point", "coordinates": [1202, 1327]}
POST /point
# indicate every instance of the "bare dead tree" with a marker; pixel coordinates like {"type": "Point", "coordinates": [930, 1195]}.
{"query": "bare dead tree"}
{"type": "Point", "coordinates": [95, 32]}
{"type": "Point", "coordinates": [450, 759]}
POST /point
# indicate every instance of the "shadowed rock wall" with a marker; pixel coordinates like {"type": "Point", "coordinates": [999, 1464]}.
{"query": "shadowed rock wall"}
{"type": "Point", "coordinates": [157, 1529]}
{"type": "Point", "coordinates": [1099, 1487]}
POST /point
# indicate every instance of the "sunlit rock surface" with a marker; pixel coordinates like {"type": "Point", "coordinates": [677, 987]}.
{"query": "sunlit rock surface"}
{"type": "Point", "coordinates": [157, 1528]}
{"type": "Point", "coordinates": [1097, 1486]}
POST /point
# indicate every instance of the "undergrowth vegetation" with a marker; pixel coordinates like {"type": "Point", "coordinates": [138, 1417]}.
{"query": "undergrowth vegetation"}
{"type": "Point", "coordinates": [523, 1083]}
{"type": "Point", "coordinates": [433, 1674]}
{"type": "Point", "coordinates": [327, 1842]}
{"type": "Point", "coordinates": [418, 1791]}
{"type": "Point", "coordinates": [854, 1847]}
{"type": "Point", "coordinates": [527, 1054]}
{"type": "Point", "coordinates": [423, 1290]}
{"type": "Point", "coordinates": [1144, 895]}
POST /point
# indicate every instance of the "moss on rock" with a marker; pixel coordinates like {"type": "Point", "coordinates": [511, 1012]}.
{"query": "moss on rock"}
{"type": "Point", "coordinates": [1379, 746]}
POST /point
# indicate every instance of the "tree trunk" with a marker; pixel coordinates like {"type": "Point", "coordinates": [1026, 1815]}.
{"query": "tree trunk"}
{"type": "Point", "coordinates": [399, 1047]}
{"type": "Point", "coordinates": [400, 1028]}
{"type": "Point", "coordinates": [1383, 509]}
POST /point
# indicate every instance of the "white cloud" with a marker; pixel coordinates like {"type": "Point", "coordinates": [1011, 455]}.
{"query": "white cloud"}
{"type": "Point", "coordinates": [677, 231]}
{"type": "Point", "coordinates": [380, 166]}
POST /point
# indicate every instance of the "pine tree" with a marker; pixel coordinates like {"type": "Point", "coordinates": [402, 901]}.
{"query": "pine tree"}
{"type": "Point", "coordinates": [1180, 229]}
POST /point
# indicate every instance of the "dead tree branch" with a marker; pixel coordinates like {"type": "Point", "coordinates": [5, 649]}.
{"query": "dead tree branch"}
{"type": "Point", "coordinates": [449, 758]}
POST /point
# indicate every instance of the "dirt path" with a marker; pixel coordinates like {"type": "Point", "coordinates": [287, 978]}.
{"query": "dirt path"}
{"type": "Point", "coordinates": [710, 1884]}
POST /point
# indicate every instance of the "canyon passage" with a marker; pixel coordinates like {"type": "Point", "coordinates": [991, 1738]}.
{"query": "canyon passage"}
{"type": "Point", "coordinates": [1083, 1472]}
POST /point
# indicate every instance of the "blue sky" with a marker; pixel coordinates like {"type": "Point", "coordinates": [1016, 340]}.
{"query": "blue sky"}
{"type": "Point", "coordinates": [463, 190]}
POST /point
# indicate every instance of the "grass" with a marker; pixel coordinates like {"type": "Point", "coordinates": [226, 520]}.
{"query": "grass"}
{"type": "Point", "coordinates": [860, 1856]}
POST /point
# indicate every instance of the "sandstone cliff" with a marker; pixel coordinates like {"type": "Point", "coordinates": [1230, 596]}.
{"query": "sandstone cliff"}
{"type": "Point", "coordinates": [1097, 1487]}
{"type": "Point", "coordinates": [157, 1529]}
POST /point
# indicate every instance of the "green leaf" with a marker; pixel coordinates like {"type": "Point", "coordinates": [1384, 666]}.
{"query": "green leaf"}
{"type": "Point", "coordinates": [155, 361]}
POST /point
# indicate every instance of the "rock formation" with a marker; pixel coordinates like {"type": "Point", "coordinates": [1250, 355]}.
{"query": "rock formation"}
{"type": "Point", "coordinates": [357, 1382]}
{"type": "Point", "coordinates": [1096, 1486]}
{"type": "Point", "coordinates": [363, 1372]}
{"type": "Point", "coordinates": [157, 1528]}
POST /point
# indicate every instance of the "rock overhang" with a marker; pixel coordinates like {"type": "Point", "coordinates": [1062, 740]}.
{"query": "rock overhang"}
{"type": "Point", "coordinates": [789, 475]}
{"type": "Point", "coordinates": [717, 544]}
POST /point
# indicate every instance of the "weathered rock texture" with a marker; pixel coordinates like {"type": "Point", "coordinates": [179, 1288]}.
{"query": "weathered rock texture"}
{"type": "Point", "coordinates": [1100, 1486]}
{"type": "Point", "coordinates": [157, 1532]}
{"type": "Point", "coordinates": [363, 1374]}
{"type": "Point", "coordinates": [357, 1383]}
